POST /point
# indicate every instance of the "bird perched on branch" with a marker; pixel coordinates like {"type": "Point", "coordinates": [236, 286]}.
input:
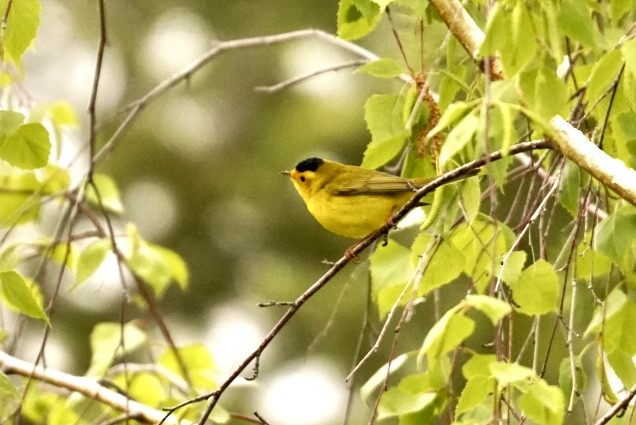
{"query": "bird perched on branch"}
{"type": "Point", "coordinates": [348, 200]}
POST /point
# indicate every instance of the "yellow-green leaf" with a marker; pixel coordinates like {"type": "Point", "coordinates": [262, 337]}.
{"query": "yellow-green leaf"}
{"type": "Point", "coordinates": [199, 362]}
{"type": "Point", "coordinates": [495, 309]}
{"type": "Point", "coordinates": [390, 271]}
{"type": "Point", "coordinates": [28, 148]}
{"type": "Point", "coordinates": [23, 296]}
{"type": "Point", "coordinates": [90, 259]}
{"type": "Point", "coordinates": [382, 68]}
{"type": "Point", "coordinates": [615, 235]}
{"type": "Point", "coordinates": [108, 193]}
{"type": "Point", "coordinates": [383, 114]}
{"type": "Point", "coordinates": [22, 26]}
{"type": "Point", "coordinates": [537, 290]}
{"type": "Point", "coordinates": [543, 403]}
{"type": "Point", "coordinates": [357, 18]}
{"type": "Point", "coordinates": [109, 342]}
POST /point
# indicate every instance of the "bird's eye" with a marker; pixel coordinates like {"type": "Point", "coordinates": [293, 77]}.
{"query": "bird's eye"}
{"type": "Point", "coordinates": [302, 179]}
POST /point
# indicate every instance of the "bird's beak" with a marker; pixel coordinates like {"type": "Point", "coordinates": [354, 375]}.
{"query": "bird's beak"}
{"type": "Point", "coordinates": [286, 173]}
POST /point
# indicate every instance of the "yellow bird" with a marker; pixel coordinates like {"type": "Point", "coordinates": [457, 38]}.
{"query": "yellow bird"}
{"type": "Point", "coordinates": [348, 200]}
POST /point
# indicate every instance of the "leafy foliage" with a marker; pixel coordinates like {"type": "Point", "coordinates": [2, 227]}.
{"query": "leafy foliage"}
{"type": "Point", "coordinates": [532, 252]}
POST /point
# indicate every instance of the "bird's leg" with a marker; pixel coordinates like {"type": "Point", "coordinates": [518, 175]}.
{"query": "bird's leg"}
{"type": "Point", "coordinates": [350, 254]}
{"type": "Point", "coordinates": [389, 224]}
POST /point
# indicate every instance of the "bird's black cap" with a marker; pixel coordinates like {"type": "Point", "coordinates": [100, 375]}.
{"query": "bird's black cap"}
{"type": "Point", "coordinates": [309, 164]}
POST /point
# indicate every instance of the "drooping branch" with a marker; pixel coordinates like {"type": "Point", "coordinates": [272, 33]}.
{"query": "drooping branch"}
{"type": "Point", "coordinates": [86, 386]}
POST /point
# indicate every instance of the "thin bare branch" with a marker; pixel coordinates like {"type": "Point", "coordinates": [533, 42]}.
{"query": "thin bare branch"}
{"type": "Point", "coordinates": [617, 408]}
{"type": "Point", "coordinates": [304, 77]}
{"type": "Point", "coordinates": [224, 46]}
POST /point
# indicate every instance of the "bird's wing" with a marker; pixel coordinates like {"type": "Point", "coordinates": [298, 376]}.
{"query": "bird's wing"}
{"type": "Point", "coordinates": [367, 185]}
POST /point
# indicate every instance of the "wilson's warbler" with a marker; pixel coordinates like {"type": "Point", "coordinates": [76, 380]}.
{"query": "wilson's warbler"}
{"type": "Point", "coordinates": [348, 200]}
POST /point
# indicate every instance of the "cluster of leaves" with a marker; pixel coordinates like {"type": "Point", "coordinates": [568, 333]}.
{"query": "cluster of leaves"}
{"type": "Point", "coordinates": [37, 188]}
{"type": "Point", "coordinates": [568, 58]}
{"type": "Point", "coordinates": [550, 251]}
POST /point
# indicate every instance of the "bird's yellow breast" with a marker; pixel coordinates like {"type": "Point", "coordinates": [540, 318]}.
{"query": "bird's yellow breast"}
{"type": "Point", "coordinates": [354, 216]}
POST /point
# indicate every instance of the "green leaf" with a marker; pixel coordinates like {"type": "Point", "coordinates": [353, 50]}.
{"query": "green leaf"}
{"type": "Point", "coordinates": [478, 365]}
{"type": "Point", "coordinates": [10, 121]}
{"type": "Point", "coordinates": [157, 265]}
{"type": "Point", "coordinates": [10, 398]}
{"type": "Point", "coordinates": [451, 115]}
{"type": "Point", "coordinates": [625, 130]}
{"type": "Point", "coordinates": [570, 188]}
{"type": "Point", "coordinates": [108, 193]}
{"type": "Point", "coordinates": [390, 270]}
{"type": "Point", "coordinates": [522, 43]}
{"type": "Point", "coordinates": [18, 203]}
{"type": "Point", "coordinates": [537, 290]}
{"type": "Point", "coordinates": [382, 3]}
{"type": "Point", "coordinates": [508, 131]}
{"type": "Point", "coordinates": [22, 26]}
{"type": "Point", "coordinates": [91, 258]}
{"type": "Point", "coordinates": [382, 68]}
{"type": "Point", "coordinates": [628, 51]}
{"type": "Point", "coordinates": [28, 148]}
{"type": "Point", "coordinates": [497, 30]}
{"type": "Point", "coordinates": [397, 402]}
{"type": "Point", "coordinates": [470, 198]}
{"type": "Point", "coordinates": [62, 253]}
{"type": "Point", "coordinates": [198, 361]}
{"type": "Point", "coordinates": [146, 388]}
{"type": "Point", "coordinates": [615, 235]}
{"type": "Point", "coordinates": [512, 34]}
{"type": "Point", "coordinates": [444, 266]}
{"type": "Point", "coordinates": [623, 365]}
{"type": "Point", "coordinates": [177, 266]}
{"type": "Point", "coordinates": [493, 308]}
{"type": "Point", "coordinates": [590, 263]}
{"type": "Point", "coordinates": [419, 8]}
{"type": "Point", "coordinates": [23, 296]}
{"type": "Point", "coordinates": [476, 391]}
{"type": "Point", "coordinates": [55, 179]}
{"type": "Point", "coordinates": [357, 18]}
{"type": "Point", "coordinates": [612, 306]}
{"type": "Point", "coordinates": [577, 23]}
{"type": "Point", "coordinates": [479, 243]}
{"type": "Point", "coordinates": [565, 375]}
{"type": "Point", "coordinates": [618, 8]}
{"type": "Point", "coordinates": [63, 114]}
{"type": "Point", "coordinates": [617, 332]}
{"type": "Point", "coordinates": [383, 114]}
{"type": "Point", "coordinates": [376, 380]}
{"type": "Point", "coordinates": [512, 266]}
{"type": "Point", "coordinates": [544, 92]}
{"type": "Point", "coordinates": [629, 88]}
{"type": "Point", "coordinates": [450, 331]}
{"type": "Point", "coordinates": [110, 342]}
{"type": "Point", "coordinates": [498, 170]}
{"type": "Point", "coordinates": [603, 74]}
{"type": "Point", "coordinates": [543, 403]}
{"type": "Point", "coordinates": [509, 373]}
{"type": "Point", "coordinates": [458, 138]}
